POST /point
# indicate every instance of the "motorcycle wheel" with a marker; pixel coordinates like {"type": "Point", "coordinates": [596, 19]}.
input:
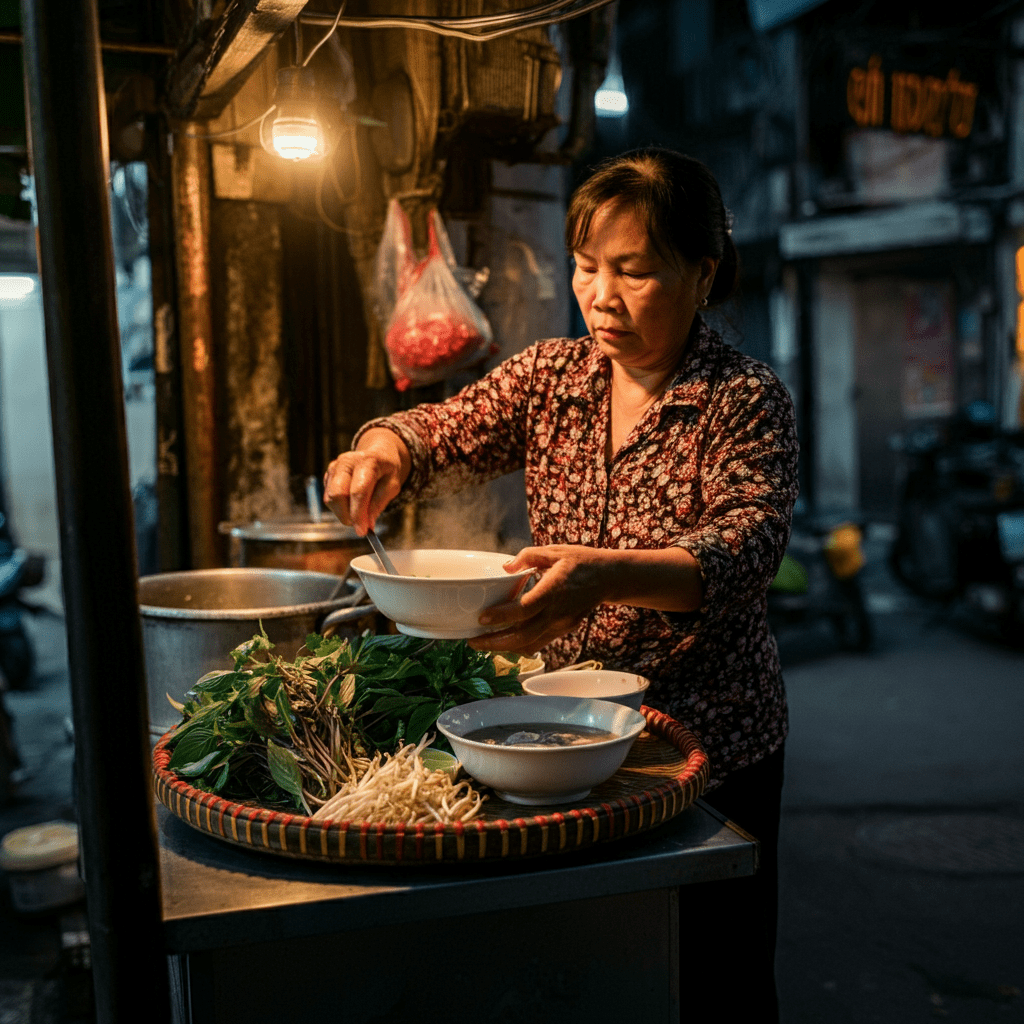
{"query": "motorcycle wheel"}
{"type": "Point", "coordinates": [923, 558]}
{"type": "Point", "coordinates": [17, 657]}
{"type": "Point", "coordinates": [853, 624]}
{"type": "Point", "coordinates": [1011, 626]}
{"type": "Point", "coordinates": [9, 759]}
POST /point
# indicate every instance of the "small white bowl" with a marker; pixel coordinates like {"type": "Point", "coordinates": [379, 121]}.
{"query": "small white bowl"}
{"type": "Point", "coordinates": [439, 594]}
{"type": "Point", "coordinates": [532, 669]}
{"type": "Point", "coordinates": [541, 775]}
{"type": "Point", "coordinates": [600, 684]}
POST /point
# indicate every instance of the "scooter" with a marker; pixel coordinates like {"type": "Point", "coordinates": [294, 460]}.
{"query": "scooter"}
{"type": "Point", "coordinates": [820, 578]}
{"type": "Point", "coordinates": [19, 570]}
{"type": "Point", "coordinates": [960, 528]}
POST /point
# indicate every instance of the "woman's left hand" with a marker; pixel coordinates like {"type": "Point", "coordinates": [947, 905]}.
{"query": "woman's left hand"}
{"type": "Point", "coordinates": [573, 581]}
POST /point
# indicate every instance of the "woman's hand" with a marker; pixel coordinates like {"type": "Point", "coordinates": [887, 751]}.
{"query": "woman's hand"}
{"type": "Point", "coordinates": [359, 484]}
{"type": "Point", "coordinates": [574, 580]}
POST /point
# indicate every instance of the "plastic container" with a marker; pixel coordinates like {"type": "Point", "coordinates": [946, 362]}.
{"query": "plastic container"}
{"type": "Point", "coordinates": [41, 862]}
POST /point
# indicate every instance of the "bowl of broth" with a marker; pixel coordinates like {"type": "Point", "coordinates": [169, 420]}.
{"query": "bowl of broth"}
{"type": "Point", "coordinates": [541, 750]}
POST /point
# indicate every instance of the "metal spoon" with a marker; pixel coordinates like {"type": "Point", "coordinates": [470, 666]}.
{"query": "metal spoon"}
{"type": "Point", "coordinates": [382, 555]}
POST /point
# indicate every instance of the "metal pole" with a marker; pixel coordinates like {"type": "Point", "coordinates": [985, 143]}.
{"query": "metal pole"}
{"type": "Point", "coordinates": [191, 193]}
{"type": "Point", "coordinates": [68, 146]}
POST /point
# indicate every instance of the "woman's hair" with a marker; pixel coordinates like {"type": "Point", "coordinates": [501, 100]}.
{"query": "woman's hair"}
{"type": "Point", "coordinates": [677, 200]}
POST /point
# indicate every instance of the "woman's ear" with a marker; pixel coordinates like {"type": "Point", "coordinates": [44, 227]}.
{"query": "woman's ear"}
{"type": "Point", "coordinates": [708, 269]}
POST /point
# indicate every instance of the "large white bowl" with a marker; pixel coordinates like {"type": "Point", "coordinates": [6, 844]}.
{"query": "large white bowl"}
{"type": "Point", "coordinates": [439, 594]}
{"type": "Point", "coordinates": [541, 775]}
{"type": "Point", "coordinates": [600, 684]}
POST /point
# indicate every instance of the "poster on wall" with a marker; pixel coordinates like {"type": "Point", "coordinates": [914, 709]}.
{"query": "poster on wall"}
{"type": "Point", "coordinates": [927, 351]}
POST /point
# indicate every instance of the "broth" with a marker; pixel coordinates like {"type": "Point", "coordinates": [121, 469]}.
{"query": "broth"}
{"type": "Point", "coordinates": [532, 734]}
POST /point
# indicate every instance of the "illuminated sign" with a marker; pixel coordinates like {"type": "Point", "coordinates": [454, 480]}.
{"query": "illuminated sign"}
{"type": "Point", "coordinates": [1020, 306]}
{"type": "Point", "coordinates": [917, 103]}
{"type": "Point", "coordinates": [1020, 333]}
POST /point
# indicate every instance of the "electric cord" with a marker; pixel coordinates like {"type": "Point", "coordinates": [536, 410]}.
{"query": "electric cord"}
{"type": "Point", "coordinates": [524, 19]}
{"type": "Point", "coordinates": [231, 131]}
{"type": "Point", "coordinates": [330, 32]}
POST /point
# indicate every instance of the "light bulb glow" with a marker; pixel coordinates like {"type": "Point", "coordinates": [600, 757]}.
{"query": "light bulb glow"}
{"type": "Point", "coordinates": [610, 102]}
{"type": "Point", "coordinates": [15, 287]}
{"type": "Point", "coordinates": [297, 138]}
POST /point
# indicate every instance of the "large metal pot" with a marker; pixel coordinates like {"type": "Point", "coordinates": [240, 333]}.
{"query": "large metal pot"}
{"type": "Point", "coordinates": [192, 620]}
{"type": "Point", "coordinates": [295, 542]}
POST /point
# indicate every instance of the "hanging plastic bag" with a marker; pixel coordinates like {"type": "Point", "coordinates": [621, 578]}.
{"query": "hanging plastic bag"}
{"type": "Point", "coordinates": [436, 328]}
{"type": "Point", "coordinates": [395, 264]}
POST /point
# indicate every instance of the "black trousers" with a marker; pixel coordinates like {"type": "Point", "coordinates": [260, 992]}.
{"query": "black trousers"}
{"type": "Point", "coordinates": [728, 929]}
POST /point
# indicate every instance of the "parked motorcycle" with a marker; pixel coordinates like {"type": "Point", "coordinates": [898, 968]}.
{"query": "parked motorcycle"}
{"type": "Point", "coordinates": [19, 570]}
{"type": "Point", "coordinates": [960, 528]}
{"type": "Point", "coordinates": [820, 578]}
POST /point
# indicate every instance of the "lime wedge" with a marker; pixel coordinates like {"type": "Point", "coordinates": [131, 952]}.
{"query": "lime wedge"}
{"type": "Point", "coordinates": [440, 760]}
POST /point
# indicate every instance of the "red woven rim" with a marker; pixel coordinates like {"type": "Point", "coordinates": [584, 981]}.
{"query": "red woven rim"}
{"type": "Point", "coordinates": [296, 835]}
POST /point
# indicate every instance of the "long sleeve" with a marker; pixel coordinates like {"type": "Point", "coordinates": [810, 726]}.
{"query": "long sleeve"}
{"type": "Point", "coordinates": [749, 485]}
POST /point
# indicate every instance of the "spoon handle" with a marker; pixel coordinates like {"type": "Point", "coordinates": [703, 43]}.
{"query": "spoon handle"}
{"type": "Point", "coordinates": [382, 555]}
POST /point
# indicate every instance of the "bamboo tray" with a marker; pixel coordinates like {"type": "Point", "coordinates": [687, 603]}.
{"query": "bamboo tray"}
{"type": "Point", "coordinates": [665, 771]}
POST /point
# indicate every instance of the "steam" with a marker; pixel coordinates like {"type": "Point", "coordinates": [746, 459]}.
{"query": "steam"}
{"type": "Point", "coordinates": [487, 517]}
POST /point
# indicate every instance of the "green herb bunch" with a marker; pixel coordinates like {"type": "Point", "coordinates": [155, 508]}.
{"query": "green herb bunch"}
{"type": "Point", "coordinates": [284, 734]}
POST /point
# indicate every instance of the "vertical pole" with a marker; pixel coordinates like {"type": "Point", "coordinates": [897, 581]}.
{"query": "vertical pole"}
{"type": "Point", "coordinates": [172, 525]}
{"type": "Point", "coordinates": [68, 142]}
{"type": "Point", "coordinates": [191, 176]}
{"type": "Point", "coordinates": [808, 401]}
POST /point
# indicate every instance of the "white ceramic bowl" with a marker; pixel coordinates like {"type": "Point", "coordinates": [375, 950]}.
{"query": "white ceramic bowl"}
{"type": "Point", "coordinates": [600, 684]}
{"type": "Point", "coordinates": [541, 775]}
{"type": "Point", "coordinates": [532, 667]}
{"type": "Point", "coordinates": [439, 594]}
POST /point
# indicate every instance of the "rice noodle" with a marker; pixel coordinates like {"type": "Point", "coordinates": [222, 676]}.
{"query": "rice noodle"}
{"type": "Point", "coordinates": [399, 788]}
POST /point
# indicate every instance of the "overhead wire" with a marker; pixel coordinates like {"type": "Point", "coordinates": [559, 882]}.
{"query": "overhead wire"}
{"type": "Point", "coordinates": [330, 32]}
{"type": "Point", "coordinates": [523, 20]}
{"type": "Point", "coordinates": [231, 131]}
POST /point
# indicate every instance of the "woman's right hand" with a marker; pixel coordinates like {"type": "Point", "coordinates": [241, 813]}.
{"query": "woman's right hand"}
{"type": "Point", "coordinates": [359, 484]}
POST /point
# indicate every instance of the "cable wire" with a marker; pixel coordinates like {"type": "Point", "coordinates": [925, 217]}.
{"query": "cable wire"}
{"type": "Point", "coordinates": [330, 32]}
{"type": "Point", "coordinates": [442, 28]}
{"type": "Point", "coordinates": [231, 131]}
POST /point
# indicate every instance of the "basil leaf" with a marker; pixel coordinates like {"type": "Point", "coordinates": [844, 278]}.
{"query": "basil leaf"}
{"type": "Point", "coordinates": [284, 769]}
{"type": "Point", "coordinates": [476, 687]}
{"type": "Point", "coordinates": [193, 747]}
{"type": "Point", "coordinates": [189, 771]}
{"type": "Point", "coordinates": [422, 720]}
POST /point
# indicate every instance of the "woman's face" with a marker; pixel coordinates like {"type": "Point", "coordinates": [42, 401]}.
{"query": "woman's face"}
{"type": "Point", "coordinates": [637, 306]}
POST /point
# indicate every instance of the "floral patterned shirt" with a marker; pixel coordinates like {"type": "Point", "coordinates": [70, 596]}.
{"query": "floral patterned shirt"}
{"type": "Point", "coordinates": [711, 467]}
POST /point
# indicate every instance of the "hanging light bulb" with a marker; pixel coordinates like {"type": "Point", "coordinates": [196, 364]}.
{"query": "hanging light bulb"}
{"type": "Point", "coordinates": [296, 132]}
{"type": "Point", "coordinates": [610, 100]}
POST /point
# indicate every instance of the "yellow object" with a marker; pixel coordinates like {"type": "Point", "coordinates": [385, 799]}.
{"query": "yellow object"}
{"type": "Point", "coordinates": [440, 761]}
{"type": "Point", "coordinates": [843, 551]}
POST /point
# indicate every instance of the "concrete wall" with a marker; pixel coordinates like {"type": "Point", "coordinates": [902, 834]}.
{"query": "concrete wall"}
{"type": "Point", "coordinates": [26, 440]}
{"type": "Point", "coordinates": [835, 381]}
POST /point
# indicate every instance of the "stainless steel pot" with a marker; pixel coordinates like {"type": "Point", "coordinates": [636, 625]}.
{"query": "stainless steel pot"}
{"type": "Point", "coordinates": [192, 620]}
{"type": "Point", "coordinates": [295, 542]}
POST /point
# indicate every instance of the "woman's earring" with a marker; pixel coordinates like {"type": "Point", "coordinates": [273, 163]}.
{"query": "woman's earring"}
{"type": "Point", "coordinates": [704, 303]}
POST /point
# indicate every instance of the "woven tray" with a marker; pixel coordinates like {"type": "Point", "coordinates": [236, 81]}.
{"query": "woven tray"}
{"type": "Point", "coordinates": [665, 771]}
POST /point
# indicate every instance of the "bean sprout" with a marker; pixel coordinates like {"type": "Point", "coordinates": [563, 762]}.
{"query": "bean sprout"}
{"type": "Point", "coordinates": [399, 788]}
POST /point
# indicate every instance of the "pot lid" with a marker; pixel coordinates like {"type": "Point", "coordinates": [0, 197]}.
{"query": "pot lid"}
{"type": "Point", "coordinates": [39, 846]}
{"type": "Point", "coordinates": [293, 528]}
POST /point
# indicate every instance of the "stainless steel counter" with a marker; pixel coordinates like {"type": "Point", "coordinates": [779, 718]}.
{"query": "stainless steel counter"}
{"type": "Point", "coordinates": [250, 933]}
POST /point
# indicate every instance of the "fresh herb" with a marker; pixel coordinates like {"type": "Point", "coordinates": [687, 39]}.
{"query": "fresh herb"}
{"type": "Point", "coordinates": [280, 733]}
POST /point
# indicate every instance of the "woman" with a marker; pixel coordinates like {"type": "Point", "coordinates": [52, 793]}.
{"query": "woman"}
{"type": "Point", "coordinates": [660, 471]}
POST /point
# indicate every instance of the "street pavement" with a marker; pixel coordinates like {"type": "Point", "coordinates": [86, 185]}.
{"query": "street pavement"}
{"type": "Point", "coordinates": [902, 843]}
{"type": "Point", "coordinates": [902, 840]}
